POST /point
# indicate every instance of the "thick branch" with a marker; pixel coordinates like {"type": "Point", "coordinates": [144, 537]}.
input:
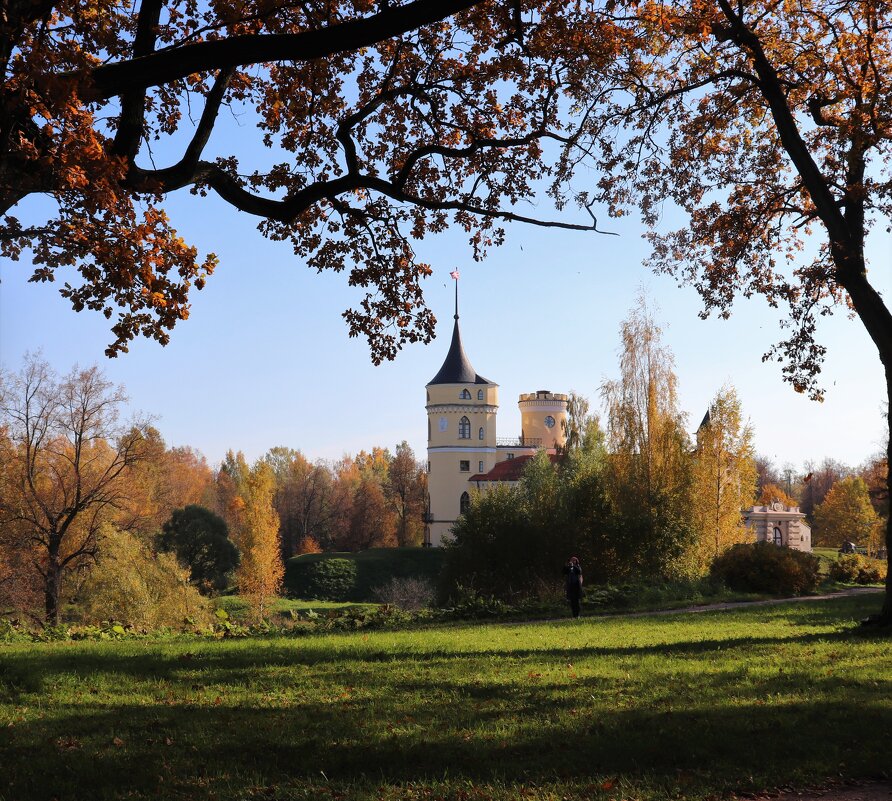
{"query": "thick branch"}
{"type": "Point", "coordinates": [183, 172]}
{"type": "Point", "coordinates": [133, 102]}
{"type": "Point", "coordinates": [237, 51]}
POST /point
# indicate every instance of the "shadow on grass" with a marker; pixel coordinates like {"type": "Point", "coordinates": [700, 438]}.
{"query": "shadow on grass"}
{"type": "Point", "coordinates": [196, 752]}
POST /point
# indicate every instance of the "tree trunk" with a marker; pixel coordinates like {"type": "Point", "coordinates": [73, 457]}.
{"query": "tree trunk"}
{"type": "Point", "coordinates": [886, 613]}
{"type": "Point", "coordinates": [53, 591]}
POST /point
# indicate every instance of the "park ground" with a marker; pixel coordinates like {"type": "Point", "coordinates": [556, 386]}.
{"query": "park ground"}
{"type": "Point", "coordinates": [744, 702]}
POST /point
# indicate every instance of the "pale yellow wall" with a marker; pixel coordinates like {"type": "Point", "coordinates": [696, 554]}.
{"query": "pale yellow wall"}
{"type": "Point", "coordinates": [535, 407]}
{"type": "Point", "coordinates": [445, 452]}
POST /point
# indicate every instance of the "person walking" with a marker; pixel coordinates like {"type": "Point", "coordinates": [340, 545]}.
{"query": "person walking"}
{"type": "Point", "coordinates": [573, 572]}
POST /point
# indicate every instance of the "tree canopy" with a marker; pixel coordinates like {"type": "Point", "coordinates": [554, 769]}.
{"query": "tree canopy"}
{"type": "Point", "coordinates": [381, 122]}
{"type": "Point", "coordinates": [768, 125]}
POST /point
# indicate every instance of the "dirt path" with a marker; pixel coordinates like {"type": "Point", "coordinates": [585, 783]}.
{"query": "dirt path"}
{"type": "Point", "coordinates": [850, 791]}
{"type": "Point", "coordinates": [746, 604]}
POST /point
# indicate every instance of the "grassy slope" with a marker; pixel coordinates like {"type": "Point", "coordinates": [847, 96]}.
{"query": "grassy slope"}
{"type": "Point", "coordinates": [670, 707]}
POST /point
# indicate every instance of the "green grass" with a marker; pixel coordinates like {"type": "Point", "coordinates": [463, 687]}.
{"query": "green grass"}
{"type": "Point", "coordinates": [682, 706]}
{"type": "Point", "coordinates": [239, 608]}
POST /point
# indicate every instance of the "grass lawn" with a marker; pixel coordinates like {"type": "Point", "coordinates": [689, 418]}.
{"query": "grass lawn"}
{"type": "Point", "coordinates": [683, 706]}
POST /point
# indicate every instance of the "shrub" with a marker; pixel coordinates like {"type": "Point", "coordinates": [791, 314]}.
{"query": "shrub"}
{"type": "Point", "coordinates": [857, 569]}
{"type": "Point", "coordinates": [410, 594]}
{"type": "Point", "coordinates": [765, 567]}
{"type": "Point", "coordinates": [131, 585]}
{"type": "Point", "coordinates": [325, 579]}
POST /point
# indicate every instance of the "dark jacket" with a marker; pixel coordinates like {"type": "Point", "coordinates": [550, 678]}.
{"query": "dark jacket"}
{"type": "Point", "coordinates": [574, 580]}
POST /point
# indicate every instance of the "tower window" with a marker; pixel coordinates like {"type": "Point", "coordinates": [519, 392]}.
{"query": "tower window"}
{"type": "Point", "coordinates": [464, 503]}
{"type": "Point", "coordinates": [480, 466]}
{"type": "Point", "coordinates": [479, 394]}
{"type": "Point", "coordinates": [778, 538]}
{"type": "Point", "coordinates": [464, 428]}
{"type": "Point", "coordinates": [480, 433]}
{"type": "Point", "coordinates": [464, 465]}
{"type": "Point", "coordinates": [465, 395]}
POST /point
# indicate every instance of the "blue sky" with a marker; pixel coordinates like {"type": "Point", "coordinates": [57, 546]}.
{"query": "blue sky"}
{"type": "Point", "coordinates": [265, 358]}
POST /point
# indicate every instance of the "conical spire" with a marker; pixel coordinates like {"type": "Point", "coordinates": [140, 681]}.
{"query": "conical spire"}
{"type": "Point", "coordinates": [457, 368]}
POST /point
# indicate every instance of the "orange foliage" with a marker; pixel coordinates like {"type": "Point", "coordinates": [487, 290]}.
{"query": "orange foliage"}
{"type": "Point", "coordinates": [771, 493]}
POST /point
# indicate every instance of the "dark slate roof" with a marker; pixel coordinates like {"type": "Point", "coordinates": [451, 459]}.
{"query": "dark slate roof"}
{"type": "Point", "coordinates": [705, 422]}
{"type": "Point", "coordinates": [457, 368]}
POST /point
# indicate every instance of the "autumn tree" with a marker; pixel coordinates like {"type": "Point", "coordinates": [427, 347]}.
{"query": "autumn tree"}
{"type": "Point", "coordinates": [382, 123]}
{"type": "Point", "coordinates": [304, 500]}
{"type": "Point", "coordinates": [406, 492]}
{"type": "Point", "coordinates": [847, 514]}
{"type": "Point", "coordinates": [875, 473]}
{"type": "Point", "coordinates": [66, 454]}
{"type": "Point", "coordinates": [767, 126]}
{"type": "Point", "coordinates": [649, 471]}
{"type": "Point", "coordinates": [260, 571]}
{"type": "Point", "coordinates": [582, 428]}
{"type": "Point", "coordinates": [724, 477]}
{"type": "Point", "coordinates": [818, 481]}
{"type": "Point", "coordinates": [772, 493]}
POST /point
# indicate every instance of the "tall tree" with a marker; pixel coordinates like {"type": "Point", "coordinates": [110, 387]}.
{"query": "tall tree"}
{"type": "Point", "coordinates": [763, 123]}
{"type": "Point", "coordinates": [846, 514]}
{"type": "Point", "coordinates": [303, 500]}
{"type": "Point", "coordinates": [582, 428]}
{"type": "Point", "coordinates": [65, 459]}
{"type": "Point", "coordinates": [406, 491]}
{"type": "Point", "coordinates": [650, 465]}
{"type": "Point", "coordinates": [260, 569]}
{"type": "Point", "coordinates": [200, 541]}
{"type": "Point", "coordinates": [724, 477]}
{"type": "Point", "coordinates": [817, 482]}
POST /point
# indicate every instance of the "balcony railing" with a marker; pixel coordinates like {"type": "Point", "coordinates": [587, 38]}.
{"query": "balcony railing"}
{"type": "Point", "coordinates": [518, 442]}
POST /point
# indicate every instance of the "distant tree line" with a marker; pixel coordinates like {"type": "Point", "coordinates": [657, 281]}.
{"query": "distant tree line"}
{"type": "Point", "coordinates": [81, 488]}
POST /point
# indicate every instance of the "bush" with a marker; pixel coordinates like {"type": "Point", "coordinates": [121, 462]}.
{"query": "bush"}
{"type": "Point", "coordinates": [765, 567]}
{"type": "Point", "coordinates": [374, 568]}
{"type": "Point", "coordinates": [324, 579]}
{"type": "Point", "coordinates": [857, 569]}
{"type": "Point", "coordinates": [131, 585]}
{"type": "Point", "coordinates": [410, 594]}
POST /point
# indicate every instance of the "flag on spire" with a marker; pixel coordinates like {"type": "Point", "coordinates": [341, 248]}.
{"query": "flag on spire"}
{"type": "Point", "coordinates": [454, 274]}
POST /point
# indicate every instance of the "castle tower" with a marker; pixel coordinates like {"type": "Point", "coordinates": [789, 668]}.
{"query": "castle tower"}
{"type": "Point", "coordinates": [461, 436]}
{"type": "Point", "coordinates": [543, 417]}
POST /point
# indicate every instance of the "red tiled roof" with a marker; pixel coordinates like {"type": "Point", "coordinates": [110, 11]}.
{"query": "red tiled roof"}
{"type": "Point", "coordinates": [510, 469]}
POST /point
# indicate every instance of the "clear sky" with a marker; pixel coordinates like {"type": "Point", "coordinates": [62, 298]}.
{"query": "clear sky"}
{"type": "Point", "coordinates": [265, 359]}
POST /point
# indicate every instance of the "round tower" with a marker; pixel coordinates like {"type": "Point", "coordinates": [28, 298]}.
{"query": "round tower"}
{"type": "Point", "coordinates": [461, 436]}
{"type": "Point", "coordinates": [543, 417]}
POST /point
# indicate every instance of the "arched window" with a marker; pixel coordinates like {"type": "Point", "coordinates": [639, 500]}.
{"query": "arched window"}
{"type": "Point", "coordinates": [465, 395]}
{"type": "Point", "coordinates": [778, 538]}
{"type": "Point", "coordinates": [479, 394]}
{"type": "Point", "coordinates": [464, 503]}
{"type": "Point", "coordinates": [480, 433]}
{"type": "Point", "coordinates": [464, 428]}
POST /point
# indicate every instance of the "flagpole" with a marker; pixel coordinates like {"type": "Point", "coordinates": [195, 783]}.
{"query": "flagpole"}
{"type": "Point", "coordinates": [454, 276]}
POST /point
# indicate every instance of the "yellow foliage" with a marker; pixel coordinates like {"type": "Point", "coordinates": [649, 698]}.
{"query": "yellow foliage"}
{"type": "Point", "coordinates": [130, 584]}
